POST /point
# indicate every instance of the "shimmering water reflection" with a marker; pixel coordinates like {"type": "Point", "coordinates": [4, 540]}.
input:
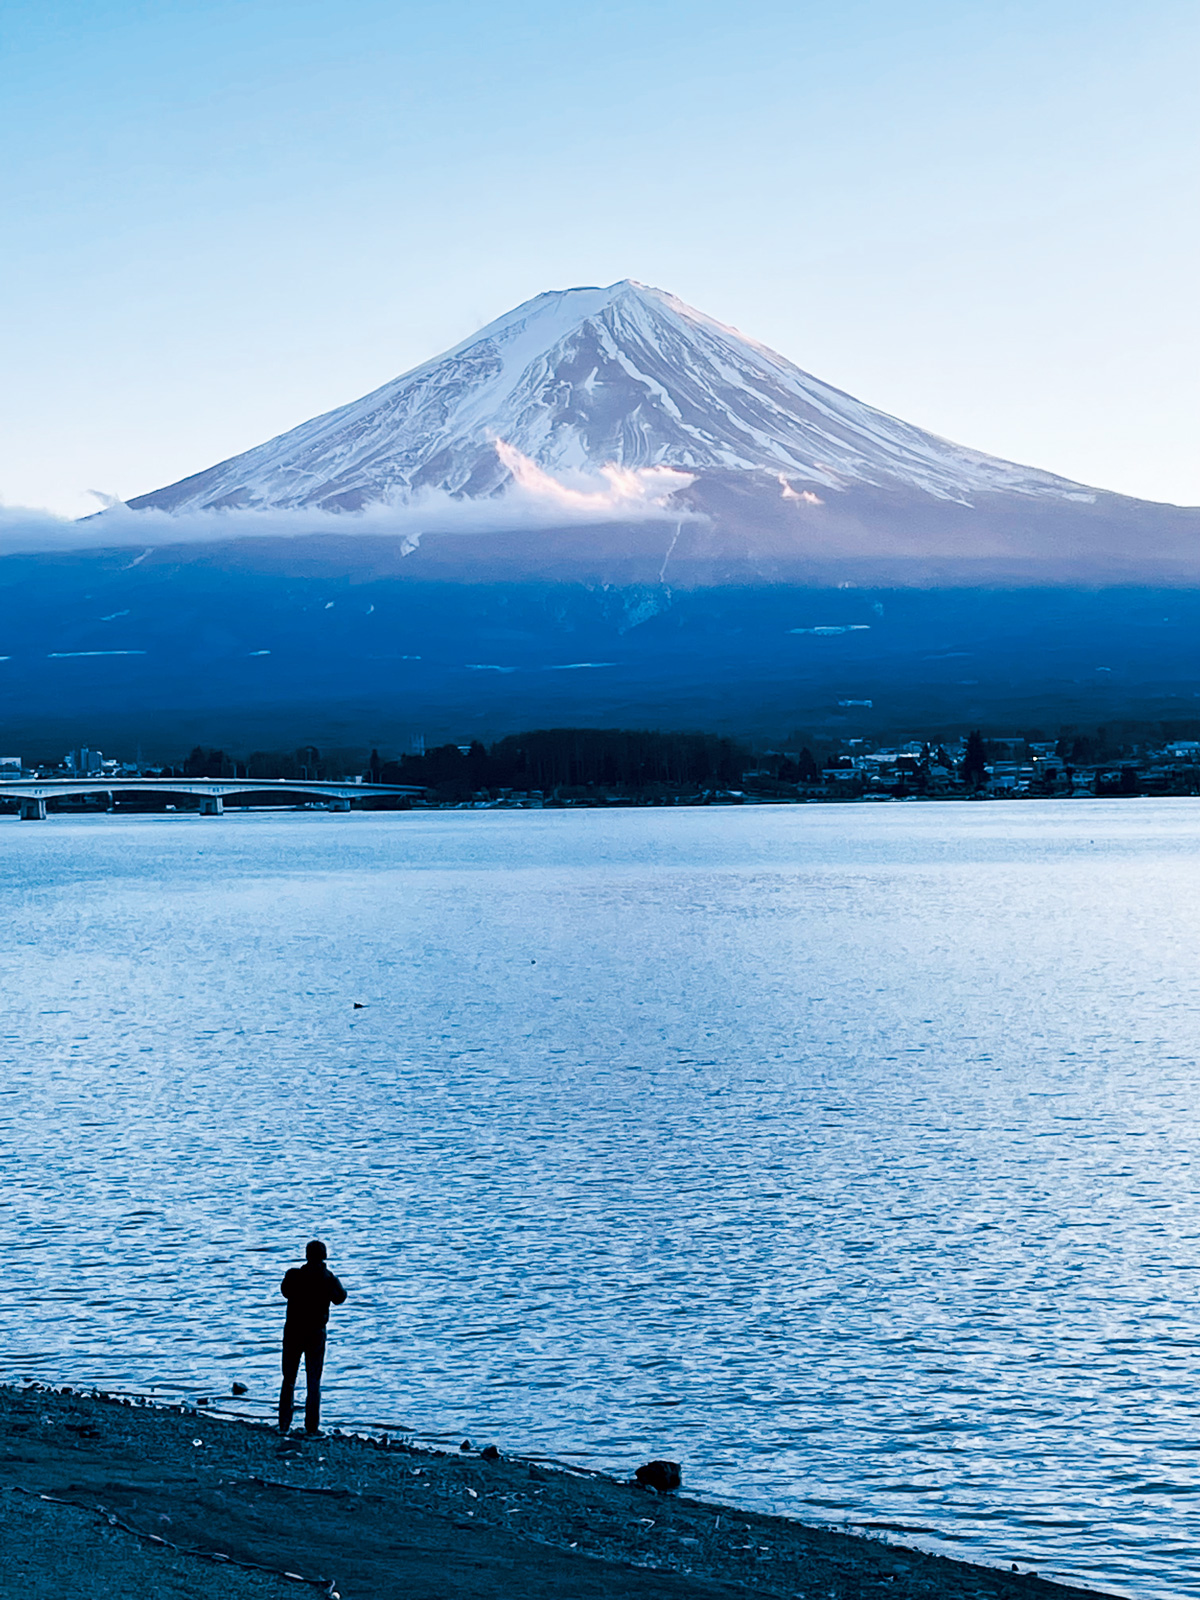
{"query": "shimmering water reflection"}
{"type": "Point", "coordinates": [845, 1154]}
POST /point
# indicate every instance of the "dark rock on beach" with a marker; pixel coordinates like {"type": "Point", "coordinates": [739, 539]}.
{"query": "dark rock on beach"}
{"type": "Point", "coordinates": [661, 1475]}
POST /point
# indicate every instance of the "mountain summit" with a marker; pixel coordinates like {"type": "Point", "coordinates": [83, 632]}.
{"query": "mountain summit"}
{"type": "Point", "coordinates": [582, 379]}
{"type": "Point", "coordinates": [604, 509]}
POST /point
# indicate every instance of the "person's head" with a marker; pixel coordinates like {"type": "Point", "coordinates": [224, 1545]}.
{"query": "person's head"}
{"type": "Point", "coordinates": [315, 1252]}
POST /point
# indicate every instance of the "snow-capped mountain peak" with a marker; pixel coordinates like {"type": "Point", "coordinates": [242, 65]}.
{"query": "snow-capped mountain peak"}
{"type": "Point", "coordinates": [580, 380]}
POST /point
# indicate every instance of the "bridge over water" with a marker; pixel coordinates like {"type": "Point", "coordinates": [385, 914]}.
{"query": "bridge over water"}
{"type": "Point", "coordinates": [33, 793]}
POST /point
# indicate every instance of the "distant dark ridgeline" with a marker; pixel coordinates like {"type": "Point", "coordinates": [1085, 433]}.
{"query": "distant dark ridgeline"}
{"type": "Point", "coordinates": [166, 653]}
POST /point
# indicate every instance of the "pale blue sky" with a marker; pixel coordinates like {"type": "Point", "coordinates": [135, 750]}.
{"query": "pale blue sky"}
{"type": "Point", "coordinates": [223, 216]}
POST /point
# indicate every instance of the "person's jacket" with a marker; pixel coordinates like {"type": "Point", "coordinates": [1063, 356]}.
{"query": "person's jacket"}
{"type": "Point", "coordinates": [310, 1291]}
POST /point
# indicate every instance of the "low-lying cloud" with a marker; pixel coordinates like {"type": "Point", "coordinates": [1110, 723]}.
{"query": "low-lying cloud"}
{"type": "Point", "coordinates": [532, 499]}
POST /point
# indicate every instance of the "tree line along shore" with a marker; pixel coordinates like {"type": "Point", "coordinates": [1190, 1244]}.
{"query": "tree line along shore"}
{"type": "Point", "coordinates": [618, 766]}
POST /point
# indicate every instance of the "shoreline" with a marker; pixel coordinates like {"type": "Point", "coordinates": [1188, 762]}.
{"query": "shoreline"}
{"type": "Point", "coordinates": [102, 1495]}
{"type": "Point", "coordinates": [10, 807]}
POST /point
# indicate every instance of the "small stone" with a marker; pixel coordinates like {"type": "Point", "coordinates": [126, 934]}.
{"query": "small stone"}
{"type": "Point", "coordinates": [490, 1453]}
{"type": "Point", "coordinates": [238, 1388]}
{"type": "Point", "coordinates": [465, 1445]}
{"type": "Point", "coordinates": [662, 1476]}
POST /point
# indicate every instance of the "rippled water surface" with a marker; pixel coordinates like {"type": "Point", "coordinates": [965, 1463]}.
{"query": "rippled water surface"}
{"type": "Point", "coordinates": [845, 1154]}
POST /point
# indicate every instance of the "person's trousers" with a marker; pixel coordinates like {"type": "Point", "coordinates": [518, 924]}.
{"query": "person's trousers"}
{"type": "Point", "coordinates": [309, 1344]}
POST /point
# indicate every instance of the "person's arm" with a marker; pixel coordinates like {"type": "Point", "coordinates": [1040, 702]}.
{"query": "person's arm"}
{"type": "Point", "coordinates": [285, 1288]}
{"type": "Point", "coordinates": [337, 1295]}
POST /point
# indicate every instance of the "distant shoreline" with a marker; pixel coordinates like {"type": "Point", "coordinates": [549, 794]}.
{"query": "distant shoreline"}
{"type": "Point", "coordinates": [614, 803]}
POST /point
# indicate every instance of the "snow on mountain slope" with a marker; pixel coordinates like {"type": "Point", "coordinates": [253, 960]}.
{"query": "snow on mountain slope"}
{"type": "Point", "coordinates": [582, 379]}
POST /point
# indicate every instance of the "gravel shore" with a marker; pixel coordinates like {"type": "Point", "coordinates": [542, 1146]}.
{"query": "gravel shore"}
{"type": "Point", "coordinates": [102, 1497]}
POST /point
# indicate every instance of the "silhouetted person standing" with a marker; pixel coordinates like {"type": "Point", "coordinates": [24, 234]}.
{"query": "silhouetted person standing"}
{"type": "Point", "coordinates": [310, 1291]}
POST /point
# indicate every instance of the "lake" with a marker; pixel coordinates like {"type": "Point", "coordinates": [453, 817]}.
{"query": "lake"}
{"type": "Point", "coordinates": [845, 1154]}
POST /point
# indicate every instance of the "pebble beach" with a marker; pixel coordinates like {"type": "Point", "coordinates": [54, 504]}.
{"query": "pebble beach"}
{"type": "Point", "coordinates": [103, 1496]}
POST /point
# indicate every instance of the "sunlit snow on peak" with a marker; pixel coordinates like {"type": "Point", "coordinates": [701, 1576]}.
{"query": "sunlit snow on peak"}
{"type": "Point", "coordinates": [619, 488]}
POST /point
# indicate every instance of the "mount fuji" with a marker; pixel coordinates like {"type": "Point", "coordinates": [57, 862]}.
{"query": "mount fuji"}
{"type": "Point", "coordinates": [586, 378]}
{"type": "Point", "coordinates": [622, 408]}
{"type": "Point", "coordinates": [603, 508]}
